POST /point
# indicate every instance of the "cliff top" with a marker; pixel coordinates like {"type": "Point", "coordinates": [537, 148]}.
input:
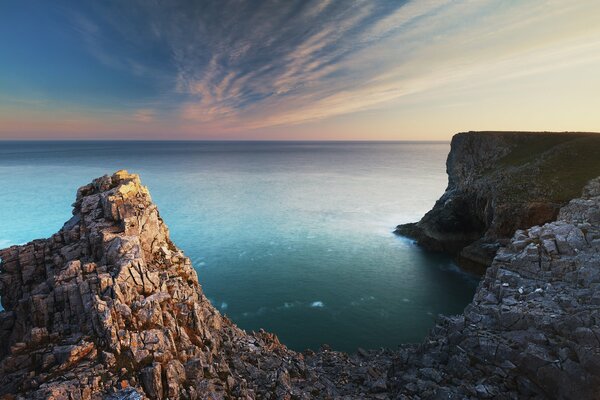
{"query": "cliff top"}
{"type": "Point", "coordinates": [560, 162]}
{"type": "Point", "coordinates": [501, 133]}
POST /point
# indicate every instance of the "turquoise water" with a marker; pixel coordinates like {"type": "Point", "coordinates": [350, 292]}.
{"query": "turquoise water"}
{"type": "Point", "coordinates": [292, 237]}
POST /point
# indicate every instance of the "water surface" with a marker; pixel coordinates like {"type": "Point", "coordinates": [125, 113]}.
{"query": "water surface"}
{"type": "Point", "coordinates": [292, 237]}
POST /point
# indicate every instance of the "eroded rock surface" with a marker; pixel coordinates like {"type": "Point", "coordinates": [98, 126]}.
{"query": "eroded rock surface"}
{"type": "Point", "coordinates": [109, 308]}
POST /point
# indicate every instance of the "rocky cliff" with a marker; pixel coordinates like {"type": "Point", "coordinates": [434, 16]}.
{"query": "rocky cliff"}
{"type": "Point", "coordinates": [109, 308]}
{"type": "Point", "coordinates": [499, 182]}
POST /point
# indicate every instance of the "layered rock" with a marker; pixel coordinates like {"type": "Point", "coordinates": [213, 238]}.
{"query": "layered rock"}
{"type": "Point", "coordinates": [499, 182]}
{"type": "Point", "coordinates": [533, 328]}
{"type": "Point", "coordinates": [109, 308]}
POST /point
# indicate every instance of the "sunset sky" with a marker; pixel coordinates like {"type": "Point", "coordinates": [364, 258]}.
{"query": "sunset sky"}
{"type": "Point", "coordinates": [320, 69]}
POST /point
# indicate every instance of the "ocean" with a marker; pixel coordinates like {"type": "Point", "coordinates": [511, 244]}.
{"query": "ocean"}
{"type": "Point", "coordinates": [292, 237]}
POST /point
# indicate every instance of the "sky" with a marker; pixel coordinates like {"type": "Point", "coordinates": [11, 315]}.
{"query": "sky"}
{"type": "Point", "coordinates": [296, 69]}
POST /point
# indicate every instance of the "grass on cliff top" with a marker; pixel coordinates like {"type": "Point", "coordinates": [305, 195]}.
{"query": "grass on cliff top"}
{"type": "Point", "coordinates": [528, 147]}
{"type": "Point", "coordinates": [557, 165]}
{"type": "Point", "coordinates": [571, 168]}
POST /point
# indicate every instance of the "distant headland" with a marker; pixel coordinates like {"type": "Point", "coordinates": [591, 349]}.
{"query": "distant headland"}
{"type": "Point", "coordinates": [499, 182]}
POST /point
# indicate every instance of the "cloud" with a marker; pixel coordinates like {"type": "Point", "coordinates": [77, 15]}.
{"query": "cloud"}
{"type": "Point", "coordinates": [234, 66]}
{"type": "Point", "coordinates": [144, 115]}
{"type": "Point", "coordinates": [289, 58]}
{"type": "Point", "coordinates": [351, 57]}
{"type": "Point", "coordinates": [281, 55]}
{"type": "Point", "coordinates": [302, 94]}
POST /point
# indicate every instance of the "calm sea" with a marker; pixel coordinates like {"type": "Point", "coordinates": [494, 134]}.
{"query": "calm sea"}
{"type": "Point", "coordinates": [292, 237]}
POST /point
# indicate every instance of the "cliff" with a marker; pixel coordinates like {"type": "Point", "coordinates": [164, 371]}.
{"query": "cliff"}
{"type": "Point", "coordinates": [109, 308]}
{"type": "Point", "coordinates": [499, 182]}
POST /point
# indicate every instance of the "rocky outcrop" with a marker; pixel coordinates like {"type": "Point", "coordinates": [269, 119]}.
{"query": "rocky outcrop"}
{"type": "Point", "coordinates": [499, 182]}
{"type": "Point", "coordinates": [109, 308]}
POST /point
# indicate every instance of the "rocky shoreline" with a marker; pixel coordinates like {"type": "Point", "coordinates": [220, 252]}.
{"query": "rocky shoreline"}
{"type": "Point", "coordinates": [110, 308]}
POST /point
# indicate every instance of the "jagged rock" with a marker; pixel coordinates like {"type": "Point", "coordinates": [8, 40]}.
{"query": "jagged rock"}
{"type": "Point", "coordinates": [152, 381]}
{"type": "Point", "coordinates": [110, 308]}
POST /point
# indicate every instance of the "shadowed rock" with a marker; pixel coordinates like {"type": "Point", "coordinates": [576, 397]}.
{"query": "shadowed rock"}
{"type": "Point", "coordinates": [499, 182]}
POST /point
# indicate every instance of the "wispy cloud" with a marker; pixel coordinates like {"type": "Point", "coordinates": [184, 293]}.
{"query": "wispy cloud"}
{"type": "Point", "coordinates": [296, 66]}
{"type": "Point", "coordinates": [292, 55]}
{"type": "Point", "coordinates": [229, 65]}
{"type": "Point", "coordinates": [144, 115]}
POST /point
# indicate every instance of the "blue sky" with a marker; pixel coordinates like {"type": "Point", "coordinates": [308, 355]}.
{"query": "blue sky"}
{"type": "Point", "coordinates": [327, 69]}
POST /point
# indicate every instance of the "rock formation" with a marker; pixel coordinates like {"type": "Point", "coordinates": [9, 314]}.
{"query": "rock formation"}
{"type": "Point", "coordinates": [499, 182]}
{"type": "Point", "coordinates": [109, 308]}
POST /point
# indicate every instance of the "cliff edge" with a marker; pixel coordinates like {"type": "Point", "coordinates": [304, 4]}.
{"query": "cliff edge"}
{"type": "Point", "coordinates": [110, 308]}
{"type": "Point", "coordinates": [499, 182]}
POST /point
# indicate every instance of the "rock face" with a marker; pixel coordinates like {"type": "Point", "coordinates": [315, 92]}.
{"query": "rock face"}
{"type": "Point", "coordinates": [109, 308]}
{"type": "Point", "coordinates": [499, 182]}
{"type": "Point", "coordinates": [533, 328]}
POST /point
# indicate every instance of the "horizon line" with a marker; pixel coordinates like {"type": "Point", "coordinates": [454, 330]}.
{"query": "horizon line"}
{"type": "Point", "coordinates": [228, 140]}
{"type": "Point", "coordinates": [285, 140]}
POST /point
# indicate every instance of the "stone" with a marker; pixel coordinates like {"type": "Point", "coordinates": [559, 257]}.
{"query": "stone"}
{"type": "Point", "coordinates": [151, 378]}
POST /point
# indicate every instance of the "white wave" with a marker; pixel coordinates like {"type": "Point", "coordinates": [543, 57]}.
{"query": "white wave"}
{"type": "Point", "coordinates": [253, 314]}
{"type": "Point", "coordinates": [224, 306]}
{"type": "Point", "coordinates": [261, 311]}
{"type": "Point", "coordinates": [317, 304]}
{"type": "Point", "coordinates": [366, 298]}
